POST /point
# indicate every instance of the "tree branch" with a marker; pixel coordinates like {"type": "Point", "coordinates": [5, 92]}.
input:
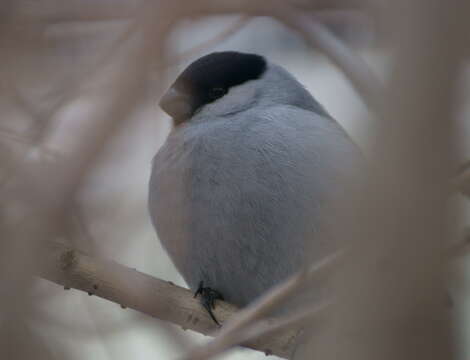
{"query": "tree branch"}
{"type": "Point", "coordinates": [258, 329]}
{"type": "Point", "coordinates": [213, 41]}
{"type": "Point", "coordinates": [352, 65]}
{"type": "Point", "coordinates": [234, 332]}
{"type": "Point", "coordinates": [152, 296]}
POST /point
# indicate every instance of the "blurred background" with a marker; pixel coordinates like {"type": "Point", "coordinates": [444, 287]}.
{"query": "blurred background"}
{"type": "Point", "coordinates": [66, 67]}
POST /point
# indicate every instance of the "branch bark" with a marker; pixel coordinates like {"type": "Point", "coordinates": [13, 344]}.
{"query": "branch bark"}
{"type": "Point", "coordinates": [152, 296]}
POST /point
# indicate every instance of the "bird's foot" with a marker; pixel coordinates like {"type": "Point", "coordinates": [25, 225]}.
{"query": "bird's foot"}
{"type": "Point", "coordinates": [208, 298]}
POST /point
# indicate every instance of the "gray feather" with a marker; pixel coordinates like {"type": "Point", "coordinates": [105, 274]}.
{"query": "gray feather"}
{"type": "Point", "coordinates": [237, 200]}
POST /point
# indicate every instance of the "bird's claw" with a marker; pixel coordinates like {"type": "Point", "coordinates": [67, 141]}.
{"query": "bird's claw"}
{"type": "Point", "coordinates": [208, 298]}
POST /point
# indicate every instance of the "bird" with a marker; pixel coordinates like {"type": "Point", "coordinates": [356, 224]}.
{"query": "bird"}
{"type": "Point", "coordinates": [239, 191]}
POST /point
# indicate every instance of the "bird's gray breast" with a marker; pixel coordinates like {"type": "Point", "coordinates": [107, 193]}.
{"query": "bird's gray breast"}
{"type": "Point", "coordinates": [234, 201]}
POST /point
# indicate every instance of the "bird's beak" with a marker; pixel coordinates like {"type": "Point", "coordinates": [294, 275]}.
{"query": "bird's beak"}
{"type": "Point", "coordinates": [176, 104]}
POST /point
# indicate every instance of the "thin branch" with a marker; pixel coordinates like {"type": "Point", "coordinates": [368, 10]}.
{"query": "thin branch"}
{"type": "Point", "coordinates": [353, 66]}
{"type": "Point", "coordinates": [157, 298]}
{"type": "Point", "coordinates": [391, 289]}
{"type": "Point", "coordinates": [261, 307]}
{"type": "Point", "coordinates": [214, 41]}
{"type": "Point", "coordinates": [293, 321]}
{"type": "Point", "coordinates": [73, 91]}
{"type": "Point", "coordinates": [462, 182]}
{"type": "Point", "coordinates": [102, 10]}
{"type": "Point", "coordinates": [262, 329]}
{"type": "Point", "coordinates": [15, 136]}
{"type": "Point", "coordinates": [131, 30]}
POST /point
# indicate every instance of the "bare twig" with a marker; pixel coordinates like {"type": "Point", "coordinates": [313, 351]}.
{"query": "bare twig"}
{"type": "Point", "coordinates": [292, 321]}
{"type": "Point", "coordinates": [214, 41]}
{"type": "Point", "coordinates": [391, 289]}
{"type": "Point", "coordinates": [130, 288]}
{"type": "Point", "coordinates": [264, 328]}
{"type": "Point", "coordinates": [43, 187]}
{"type": "Point", "coordinates": [353, 66]}
{"type": "Point", "coordinates": [73, 91]}
{"type": "Point", "coordinates": [99, 10]}
{"type": "Point", "coordinates": [259, 308]}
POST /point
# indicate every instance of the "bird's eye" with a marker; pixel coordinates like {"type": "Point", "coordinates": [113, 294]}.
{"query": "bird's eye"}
{"type": "Point", "coordinates": [216, 93]}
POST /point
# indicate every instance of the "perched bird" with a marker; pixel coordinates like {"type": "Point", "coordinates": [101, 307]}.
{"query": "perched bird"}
{"type": "Point", "coordinates": [239, 191]}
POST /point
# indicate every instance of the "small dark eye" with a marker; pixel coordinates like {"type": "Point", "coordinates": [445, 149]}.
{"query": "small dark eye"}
{"type": "Point", "coordinates": [216, 93]}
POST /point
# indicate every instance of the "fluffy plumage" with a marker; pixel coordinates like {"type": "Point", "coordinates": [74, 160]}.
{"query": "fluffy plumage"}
{"type": "Point", "coordinates": [238, 192]}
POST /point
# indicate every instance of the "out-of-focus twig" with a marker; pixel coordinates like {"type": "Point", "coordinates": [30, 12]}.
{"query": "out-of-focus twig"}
{"type": "Point", "coordinates": [73, 91]}
{"type": "Point", "coordinates": [291, 321]}
{"type": "Point", "coordinates": [462, 182]}
{"type": "Point", "coordinates": [130, 288]}
{"type": "Point", "coordinates": [264, 328]}
{"type": "Point", "coordinates": [353, 66]}
{"type": "Point", "coordinates": [99, 10]}
{"type": "Point", "coordinates": [33, 207]}
{"type": "Point", "coordinates": [317, 35]}
{"type": "Point", "coordinates": [80, 10]}
{"type": "Point", "coordinates": [391, 289]}
{"type": "Point", "coordinates": [214, 41]}
{"type": "Point", "coordinates": [231, 331]}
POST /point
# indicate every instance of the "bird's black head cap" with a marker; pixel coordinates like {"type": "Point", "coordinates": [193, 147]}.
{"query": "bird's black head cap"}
{"type": "Point", "coordinates": [211, 76]}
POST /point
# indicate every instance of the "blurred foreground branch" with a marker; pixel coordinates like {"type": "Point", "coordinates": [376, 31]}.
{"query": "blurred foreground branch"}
{"type": "Point", "coordinates": [462, 182]}
{"type": "Point", "coordinates": [152, 296]}
{"type": "Point", "coordinates": [400, 226]}
{"type": "Point", "coordinates": [241, 327]}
